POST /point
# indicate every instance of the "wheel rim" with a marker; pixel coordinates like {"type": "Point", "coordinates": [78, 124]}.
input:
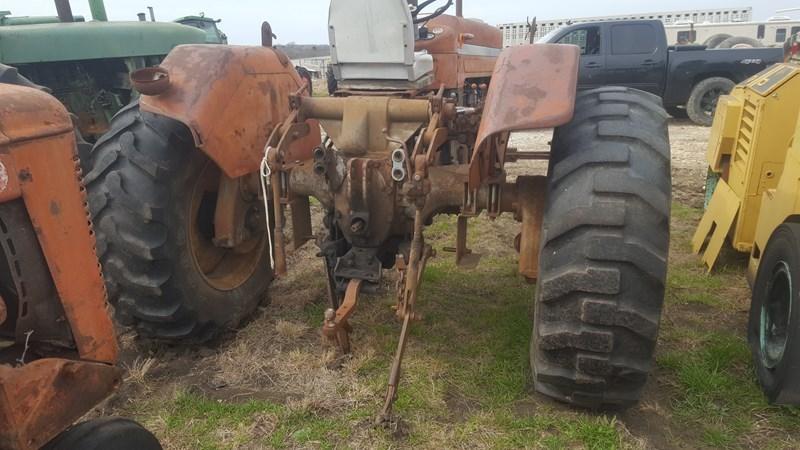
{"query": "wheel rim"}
{"type": "Point", "coordinates": [224, 269]}
{"type": "Point", "coordinates": [708, 103]}
{"type": "Point", "coordinates": [775, 313]}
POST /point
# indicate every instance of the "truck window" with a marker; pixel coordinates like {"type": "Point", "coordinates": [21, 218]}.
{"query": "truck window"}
{"type": "Point", "coordinates": [588, 39]}
{"type": "Point", "coordinates": [687, 37]}
{"type": "Point", "coordinates": [780, 35]}
{"type": "Point", "coordinates": [633, 39]}
{"type": "Point", "coordinates": [794, 31]}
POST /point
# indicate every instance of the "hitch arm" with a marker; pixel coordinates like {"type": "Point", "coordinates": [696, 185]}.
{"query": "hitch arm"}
{"type": "Point", "coordinates": [418, 258]}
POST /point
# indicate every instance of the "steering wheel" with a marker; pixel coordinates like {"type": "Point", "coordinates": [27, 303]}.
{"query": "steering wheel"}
{"type": "Point", "coordinates": [415, 11]}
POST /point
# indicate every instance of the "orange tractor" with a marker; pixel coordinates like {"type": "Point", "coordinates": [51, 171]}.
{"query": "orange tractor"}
{"type": "Point", "coordinates": [57, 343]}
{"type": "Point", "coordinates": [193, 188]}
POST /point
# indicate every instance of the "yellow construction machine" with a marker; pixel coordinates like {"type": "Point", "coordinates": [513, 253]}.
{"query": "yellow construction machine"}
{"type": "Point", "coordinates": [754, 160]}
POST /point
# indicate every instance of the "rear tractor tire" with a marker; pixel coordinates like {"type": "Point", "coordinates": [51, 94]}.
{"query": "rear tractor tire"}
{"type": "Point", "coordinates": [774, 326]}
{"type": "Point", "coordinates": [152, 196]}
{"type": "Point", "coordinates": [605, 242]}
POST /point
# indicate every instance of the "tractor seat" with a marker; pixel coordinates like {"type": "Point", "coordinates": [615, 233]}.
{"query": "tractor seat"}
{"type": "Point", "coordinates": [372, 46]}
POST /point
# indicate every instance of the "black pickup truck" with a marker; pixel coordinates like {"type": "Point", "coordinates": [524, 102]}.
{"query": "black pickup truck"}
{"type": "Point", "coordinates": [690, 78]}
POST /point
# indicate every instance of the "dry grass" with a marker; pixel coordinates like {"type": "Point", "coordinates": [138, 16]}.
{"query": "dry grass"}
{"type": "Point", "coordinates": [137, 371]}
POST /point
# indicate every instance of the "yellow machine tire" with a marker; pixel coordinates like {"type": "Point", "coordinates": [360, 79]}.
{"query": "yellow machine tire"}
{"type": "Point", "coordinates": [774, 325]}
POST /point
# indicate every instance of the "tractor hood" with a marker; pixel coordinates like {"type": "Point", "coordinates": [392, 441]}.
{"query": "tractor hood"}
{"type": "Point", "coordinates": [26, 44]}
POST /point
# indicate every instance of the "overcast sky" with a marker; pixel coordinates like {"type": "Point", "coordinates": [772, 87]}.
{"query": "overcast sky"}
{"type": "Point", "coordinates": [304, 21]}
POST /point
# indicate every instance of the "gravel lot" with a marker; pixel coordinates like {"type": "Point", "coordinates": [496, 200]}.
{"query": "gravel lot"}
{"type": "Point", "coordinates": [689, 143]}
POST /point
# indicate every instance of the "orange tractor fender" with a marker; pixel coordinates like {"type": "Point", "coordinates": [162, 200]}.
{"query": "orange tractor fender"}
{"type": "Point", "coordinates": [533, 86]}
{"type": "Point", "coordinates": [230, 97]}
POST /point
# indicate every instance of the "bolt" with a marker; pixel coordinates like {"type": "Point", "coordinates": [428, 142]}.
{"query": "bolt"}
{"type": "Point", "coordinates": [417, 177]}
{"type": "Point", "coordinates": [330, 314]}
{"type": "Point", "coordinates": [358, 225]}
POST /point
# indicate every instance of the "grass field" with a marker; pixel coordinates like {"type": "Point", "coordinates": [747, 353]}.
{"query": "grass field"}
{"type": "Point", "coordinates": [274, 384]}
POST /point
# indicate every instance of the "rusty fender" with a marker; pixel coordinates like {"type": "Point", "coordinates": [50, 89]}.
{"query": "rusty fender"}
{"type": "Point", "coordinates": [533, 86]}
{"type": "Point", "coordinates": [230, 97]}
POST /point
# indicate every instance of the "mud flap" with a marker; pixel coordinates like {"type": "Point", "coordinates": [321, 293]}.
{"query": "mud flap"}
{"type": "Point", "coordinates": [716, 224]}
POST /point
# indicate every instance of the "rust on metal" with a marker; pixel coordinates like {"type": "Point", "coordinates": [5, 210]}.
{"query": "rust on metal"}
{"type": "Point", "coordinates": [56, 203]}
{"type": "Point", "coordinates": [48, 172]}
{"type": "Point", "coordinates": [231, 98]}
{"type": "Point", "coordinates": [9, 181]}
{"type": "Point", "coordinates": [533, 86]}
{"type": "Point", "coordinates": [465, 258]}
{"type": "Point", "coordinates": [25, 115]}
{"type": "Point", "coordinates": [302, 231]}
{"type": "Point", "coordinates": [39, 164]}
{"type": "Point", "coordinates": [360, 125]}
{"type": "Point", "coordinates": [335, 326]}
{"type": "Point", "coordinates": [530, 198]}
{"type": "Point", "coordinates": [227, 257]}
{"type": "Point", "coordinates": [452, 64]}
{"type": "Point", "coordinates": [150, 80]}
{"type": "Point", "coordinates": [41, 399]}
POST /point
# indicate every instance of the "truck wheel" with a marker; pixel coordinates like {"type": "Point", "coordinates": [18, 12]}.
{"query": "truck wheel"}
{"type": "Point", "coordinates": [678, 113]}
{"type": "Point", "coordinates": [716, 39]}
{"type": "Point", "coordinates": [106, 433]}
{"type": "Point", "coordinates": [774, 325]}
{"type": "Point", "coordinates": [603, 261]}
{"type": "Point", "coordinates": [740, 42]}
{"type": "Point", "coordinates": [333, 85]}
{"type": "Point", "coordinates": [152, 196]}
{"type": "Point", "coordinates": [702, 102]}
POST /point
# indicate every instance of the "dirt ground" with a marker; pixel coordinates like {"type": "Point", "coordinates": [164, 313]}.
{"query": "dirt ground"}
{"type": "Point", "coordinates": [274, 384]}
{"type": "Point", "coordinates": [688, 141]}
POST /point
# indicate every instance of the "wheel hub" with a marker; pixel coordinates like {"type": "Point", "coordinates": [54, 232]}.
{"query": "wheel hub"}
{"type": "Point", "coordinates": [775, 314]}
{"type": "Point", "coordinates": [708, 103]}
{"type": "Point", "coordinates": [223, 268]}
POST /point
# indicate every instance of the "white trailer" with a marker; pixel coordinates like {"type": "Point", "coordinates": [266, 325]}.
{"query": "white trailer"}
{"type": "Point", "coordinates": [770, 33]}
{"type": "Point", "coordinates": [712, 27]}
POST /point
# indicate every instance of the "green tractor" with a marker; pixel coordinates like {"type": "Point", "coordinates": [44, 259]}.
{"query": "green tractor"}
{"type": "Point", "coordinates": [86, 63]}
{"type": "Point", "coordinates": [213, 34]}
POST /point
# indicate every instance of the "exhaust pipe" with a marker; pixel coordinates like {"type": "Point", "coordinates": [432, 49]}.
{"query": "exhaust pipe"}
{"type": "Point", "coordinates": [152, 14]}
{"type": "Point", "coordinates": [98, 9]}
{"type": "Point", "coordinates": [142, 17]}
{"type": "Point", "coordinates": [64, 11]}
{"type": "Point", "coordinates": [459, 8]}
